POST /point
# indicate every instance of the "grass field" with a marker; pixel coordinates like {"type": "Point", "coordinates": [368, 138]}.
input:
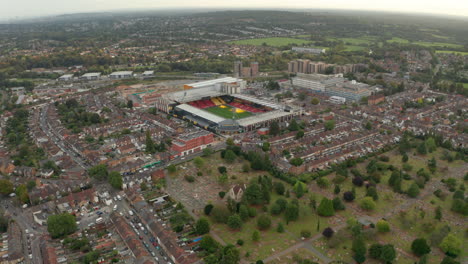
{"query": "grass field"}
{"type": "Point", "coordinates": [355, 41]}
{"type": "Point", "coordinates": [275, 42]}
{"type": "Point", "coordinates": [464, 53]}
{"type": "Point", "coordinates": [425, 43]}
{"type": "Point", "coordinates": [226, 111]}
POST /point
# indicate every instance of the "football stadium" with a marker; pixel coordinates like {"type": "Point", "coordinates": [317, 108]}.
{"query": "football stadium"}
{"type": "Point", "coordinates": [219, 106]}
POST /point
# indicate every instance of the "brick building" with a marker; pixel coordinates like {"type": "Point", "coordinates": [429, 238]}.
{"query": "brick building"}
{"type": "Point", "coordinates": [192, 142]}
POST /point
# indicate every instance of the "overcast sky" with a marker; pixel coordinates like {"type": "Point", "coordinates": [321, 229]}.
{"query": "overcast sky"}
{"type": "Point", "coordinates": [27, 8]}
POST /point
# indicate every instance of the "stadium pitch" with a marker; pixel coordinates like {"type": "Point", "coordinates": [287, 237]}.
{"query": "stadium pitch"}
{"type": "Point", "coordinates": [228, 112]}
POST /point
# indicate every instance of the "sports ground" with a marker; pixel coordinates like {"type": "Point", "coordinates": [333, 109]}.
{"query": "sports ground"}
{"type": "Point", "coordinates": [228, 112]}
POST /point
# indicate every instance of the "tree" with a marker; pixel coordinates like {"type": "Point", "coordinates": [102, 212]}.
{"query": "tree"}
{"type": "Point", "coordinates": [299, 189]}
{"type": "Point", "coordinates": [449, 260]}
{"type": "Point", "coordinates": [99, 172]}
{"type": "Point", "coordinates": [171, 168]}
{"type": "Point", "coordinates": [60, 225]}
{"type": "Point", "coordinates": [325, 207]}
{"type": "Point", "coordinates": [315, 101]}
{"type": "Point", "coordinates": [255, 236]}
{"type": "Point", "coordinates": [383, 226]}
{"type": "Point", "coordinates": [372, 192]}
{"type": "Point", "coordinates": [459, 206]}
{"type": "Point", "coordinates": [253, 194]}
{"type": "Point", "coordinates": [130, 104]}
{"type": "Point", "coordinates": [337, 189]}
{"type": "Point", "coordinates": [31, 185]}
{"type": "Point", "coordinates": [451, 245]}
{"type": "Point", "coordinates": [348, 196]}
{"type": "Point", "coordinates": [375, 251]}
{"type": "Point", "coordinates": [388, 253]}
{"type": "Point", "coordinates": [296, 161]}
{"type": "Point", "coordinates": [209, 244]}
{"type": "Point", "coordinates": [329, 125]}
{"type": "Point", "coordinates": [280, 228]}
{"type": "Point", "coordinates": [263, 222]}
{"type": "Point", "coordinates": [230, 156]}
{"type": "Point", "coordinates": [328, 232]}
{"type": "Point", "coordinates": [438, 213]}
{"type": "Point", "coordinates": [293, 126]}
{"type": "Point", "coordinates": [274, 128]}
{"type": "Point", "coordinates": [300, 134]}
{"type": "Point", "coordinates": [115, 180]}
{"type": "Point", "coordinates": [279, 188]}
{"type": "Point", "coordinates": [199, 162]}
{"type": "Point", "coordinates": [207, 152]}
{"type": "Point", "coordinates": [338, 204]}
{"type": "Point", "coordinates": [234, 221]}
{"type": "Point", "coordinates": [222, 169]}
{"type": "Point", "coordinates": [359, 249]}
{"type": "Point", "coordinates": [367, 203]}
{"type": "Point", "coordinates": [431, 145]}
{"type": "Point", "coordinates": [291, 212]}
{"type": "Point", "coordinates": [150, 146]}
{"type": "Point", "coordinates": [432, 165]}
{"type": "Point", "coordinates": [422, 148]}
{"type": "Point", "coordinates": [420, 247]}
{"type": "Point", "coordinates": [404, 158]}
{"type": "Point", "coordinates": [207, 209]}
{"type": "Point", "coordinates": [202, 226]}
{"type": "Point", "coordinates": [6, 187]}
{"type": "Point", "coordinates": [220, 214]}
{"type": "Point", "coordinates": [22, 193]}
{"type": "Point", "coordinates": [368, 125]}
{"type": "Point", "coordinates": [413, 190]}
{"type": "Point", "coordinates": [358, 181]}
{"type": "Point", "coordinates": [266, 146]}
{"type": "Point", "coordinates": [143, 186]}
{"type": "Point", "coordinates": [230, 255]}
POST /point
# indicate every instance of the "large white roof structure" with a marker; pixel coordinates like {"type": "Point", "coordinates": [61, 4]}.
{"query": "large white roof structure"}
{"type": "Point", "coordinates": [257, 101]}
{"type": "Point", "coordinates": [212, 82]}
{"type": "Point", "coordinates": [251, 120]}
{"type": "Point", "coordinates": [91, 74]}
{"type": "Point", "coordinates": [201, 113]}
{"type": "Point", "coordinates": [192, 95]}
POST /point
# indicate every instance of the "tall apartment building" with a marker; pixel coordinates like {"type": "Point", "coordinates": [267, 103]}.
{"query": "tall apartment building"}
{"type": "Point", "coordinates": [237, 69]}
{"type": "Point", "coordinates": [308, 67]}
{"type": "Point", "coordinates": [247, 72]}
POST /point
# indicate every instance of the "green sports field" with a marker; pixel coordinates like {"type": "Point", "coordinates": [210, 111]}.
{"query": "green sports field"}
{"type": "Point", "coordinates": [227, 112]}
{"type": "Point", "coordinates": [275, 42]}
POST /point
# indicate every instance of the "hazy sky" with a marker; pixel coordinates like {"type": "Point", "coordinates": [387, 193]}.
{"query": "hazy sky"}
{"type": "Point", "coordinates": [28, 8]}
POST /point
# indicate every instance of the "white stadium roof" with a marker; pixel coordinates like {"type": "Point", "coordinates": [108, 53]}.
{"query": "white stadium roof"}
{"type": "Point", "coordinates": [201, 113]}
{"type": "Point", "coordinates": [192, 95]}
{"type": "Point", "coordinates": [257, 101]}
{"type": "Point", "coordinates": [215, 81]}
{"type": "Point", "coordinates": [251, 120]}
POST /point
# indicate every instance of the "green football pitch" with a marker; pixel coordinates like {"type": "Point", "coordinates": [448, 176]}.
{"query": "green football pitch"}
{"type": "Point", "coordinates": [228, 112]}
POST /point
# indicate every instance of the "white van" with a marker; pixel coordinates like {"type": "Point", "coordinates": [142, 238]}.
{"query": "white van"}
{"type": "Point", "coordinates": [130, 212]}
{"type": "Point", "coordinates": [99, 220]}
{"type": "Point", "coordinates": [115, 208]}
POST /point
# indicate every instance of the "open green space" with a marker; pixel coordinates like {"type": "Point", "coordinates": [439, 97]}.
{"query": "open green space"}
{"type": "Point", "coordinates": [355, 41]}
{"type": "Point", "coordinates": [228, 112]}
{"type": "Point", "coordinates": [425, 43]}
{"type": "Point", "coordinates": [275, 42]}
{"type": "Point", "coordinates": [463, 53]}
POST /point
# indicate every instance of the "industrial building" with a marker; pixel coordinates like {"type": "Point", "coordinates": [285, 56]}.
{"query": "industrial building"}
{"type": "Point", "coordinates": [91, 76]}
{"type": "Point", "coordinates": [308, 50]}
{"type": "Point", "coordinates": [333, 85]}
{"type": "Point", "coordinates": [65, 77]}
{"type": "Point", "coordinates": [121, 75]}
